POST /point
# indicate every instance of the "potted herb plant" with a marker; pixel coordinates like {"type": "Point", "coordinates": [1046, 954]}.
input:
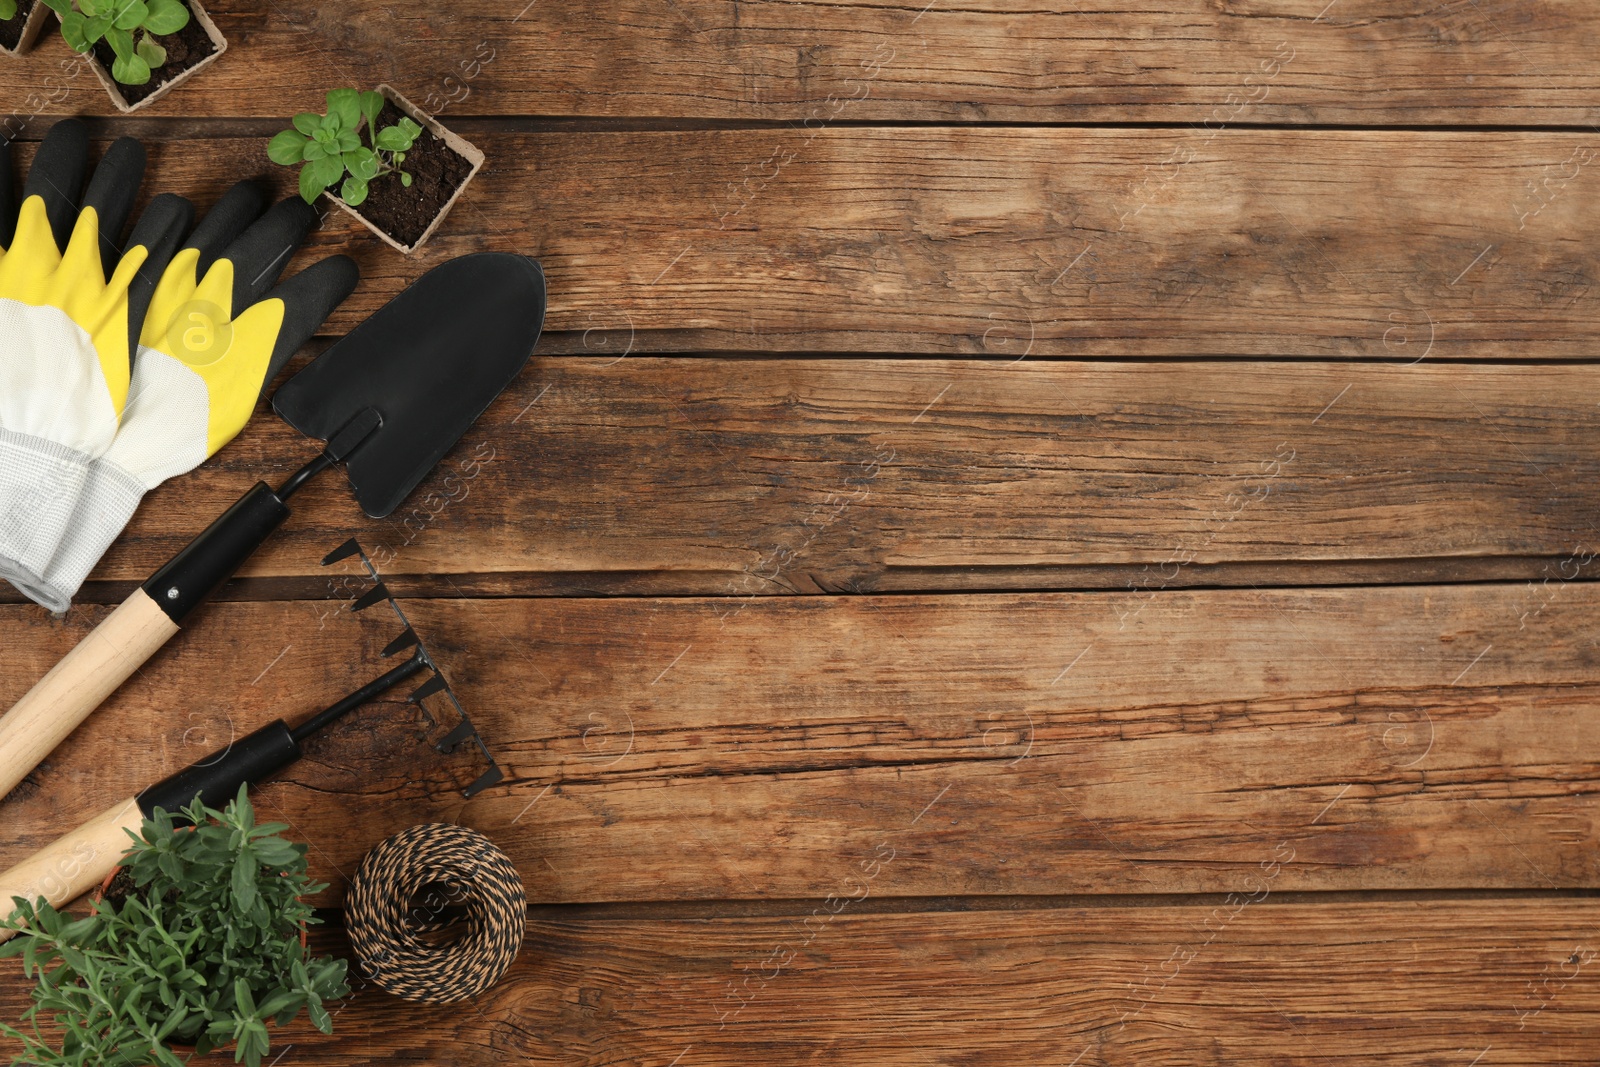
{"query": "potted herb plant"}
{"type": "Point", "coordinates": [381, 158]}
{"type": "Point", "coordinates": [20, 23]}
{"type": "Point", "coordinates": [196, 943]}
{"type": "Point", "coordinates": [140, 49]}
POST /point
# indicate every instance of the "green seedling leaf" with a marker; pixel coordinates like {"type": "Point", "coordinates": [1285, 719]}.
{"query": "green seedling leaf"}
{"type": "Point", "coordinates": [361, 163]}
{"type": "Point", "coordinates": [8, 9]}
{"type": "Point", "coordinates": [310, 187]}
{"type": "Point", "coordinates": [345, 103]}
{"type": "Point", "coordinates": [349, 141]}
{"type": "Point", "coordinates": [121, 41]}
{"type": "Point", "coordinates": [129, 14]}
{"type": "Point", "coordinates": [329, 169]}
{"type": "Point", "coordinates": [405, 179]}
{"type": "Point", "coordinates": [307, 122]}
{"type": "Point", "coordinates": [313, 151]}
{"type": "Point", "coordinates": [353, 191]}
{"type": "Point", "coordinates": [287, 147]}
{"type": "Point", "coordinates": [166, 16]}
{"type": "Point", "coordinates": [74, 31]}
{"type": "Point", "coordinates": [371, 106]}
{"type": "Point", "coordinates": [91, 8]}
{"type": "Point", "coordinates": [130, 70]}
{"type": "Point", "coordinates": [394, 139]}
{"type": "Point", "coordinates": [150, 52]}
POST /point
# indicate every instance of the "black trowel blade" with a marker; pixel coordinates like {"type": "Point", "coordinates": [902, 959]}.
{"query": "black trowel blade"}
{"type": "Point", "coordinates": [429, 362]}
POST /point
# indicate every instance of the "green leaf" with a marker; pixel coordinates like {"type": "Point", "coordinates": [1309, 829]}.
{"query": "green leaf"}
{"type": "Point", "coordinates": [363, 164]}
{"type": "Point", "coordinates": [95, 26]}
{"type": "Point", "coordinates": [166, 16]}
{"type": "Point", "coordinates": [405, 179]}
{"type": "Point", "coordinates": [345, 103]}
{"type": "Point", "coordinates": [8, 9]}
{"type": "Point", "coordinates": [287, 147]}
{"type": "Point", "coordinates": [349, 141]}
{"type": "Point", "coordinates": [130, 70]}
{"type": "Point", "coordinates": [313, 151]}
{"type": "Point", "coordinates": [150, 52]}
{"type": "Point", "coordinates": [353, 191]}
{"type": "Point", "coordinates": [90, 8]}
{"type": "Point", "coordinates": [310, 187]}
{"type": "Point", "coordinates": [371, 106]}
{"type": "Point", "coordinates": [129, 14]}
{"type": "Point", "coordinates": [329, 168]}
{"type": "Point", "coordinates": [394, 139]}
{"type": "Point", "coordinates": [307, 122]}
{"type": "Point", "coordinates": [74, 32]}
{"type": "Point", "coordinates": [121, 41]}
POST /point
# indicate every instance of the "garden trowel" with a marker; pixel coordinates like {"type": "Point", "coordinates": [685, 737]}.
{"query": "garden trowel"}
{"type": "Point", "coordinates": [390, 399]}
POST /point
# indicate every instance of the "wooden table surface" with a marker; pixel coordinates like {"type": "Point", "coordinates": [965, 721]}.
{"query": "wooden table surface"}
{"type": "Point", "coordinates": [1034, 535]}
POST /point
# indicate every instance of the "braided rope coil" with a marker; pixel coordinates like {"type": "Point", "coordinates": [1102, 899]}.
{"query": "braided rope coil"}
{"type": "Point", "coordinates": [416, 883]}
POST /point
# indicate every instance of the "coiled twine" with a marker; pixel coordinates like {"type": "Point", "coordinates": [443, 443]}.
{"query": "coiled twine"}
{"type": "Point", "coordinates": [425, 881]}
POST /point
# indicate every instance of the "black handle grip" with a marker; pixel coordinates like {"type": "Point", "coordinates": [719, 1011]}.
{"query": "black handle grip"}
{"type": "Point", "coordinates": [210, 559]}
{"type": "Point", "coordinates": [216, 779]}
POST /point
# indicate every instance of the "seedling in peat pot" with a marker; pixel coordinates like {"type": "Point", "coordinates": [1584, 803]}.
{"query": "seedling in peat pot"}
{"type": "Point", "coordinates": [330, 146]}
{"type": "Point", "coordinates": [119, 22]}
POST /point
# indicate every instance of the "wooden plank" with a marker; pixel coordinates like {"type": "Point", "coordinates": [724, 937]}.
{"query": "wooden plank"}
{"type": "Point", "coordinates": [1392, 246]}
{"type": "Point", "coordinates": [1410, 982]}
{"type": "Point", "coordinates": [1071, 743]}
{"type": "Point", "coordinates": [772, 477]}
{"type": "Point", "coordinates": [1362, 61]}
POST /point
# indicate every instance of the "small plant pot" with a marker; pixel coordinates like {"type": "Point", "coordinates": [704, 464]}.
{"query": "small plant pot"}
{"type": "Point", "coordinates": [193, 39]}
{"type": "Point", "coordinates": [17, 35]}
{"type": "Point", "coordinates": [433, 169]}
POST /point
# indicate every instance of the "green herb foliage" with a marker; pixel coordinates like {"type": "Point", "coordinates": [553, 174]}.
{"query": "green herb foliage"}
{"type": "Point", "coordinates": [330, 146]}
{"type": "Point", "coordinates": [205, 952]}
{"type": "Point", "coordinates": [8, 9]}
{"type": "Point", "coordinates": [85, 22]}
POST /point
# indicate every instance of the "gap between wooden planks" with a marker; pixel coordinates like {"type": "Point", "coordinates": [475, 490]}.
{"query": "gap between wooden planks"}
{"type": "Point", "coordinates": [1288, 61]}
{"type": "Point", "coordinates": [1387, 245]}
{"type": "Point", "coordinates": [769, 477]}
{"type": "Point", "coordinates": [1258, 984]}
{"type": "Point", "coordinates": [662, 750]}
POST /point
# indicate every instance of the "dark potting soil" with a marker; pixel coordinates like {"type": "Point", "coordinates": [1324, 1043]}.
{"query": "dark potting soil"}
{"type": "Point", "coordinates": [121, 887]}
{"type": "Point", "coordinates": [185, 48]}
{"type": "Point", "coordinates": [11, 29]}
{"type": "Point", "coordinates": [437, 171]}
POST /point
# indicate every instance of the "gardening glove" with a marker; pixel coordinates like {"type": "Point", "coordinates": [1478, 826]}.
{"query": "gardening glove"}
{"type": "Point", "coordinates": [216, 334]}
{"type": "Point", "coordinates": [69, 308]}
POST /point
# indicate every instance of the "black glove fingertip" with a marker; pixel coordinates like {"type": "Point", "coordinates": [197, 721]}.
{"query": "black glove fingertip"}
{"type": "Point", "coordinates": [308, 299]}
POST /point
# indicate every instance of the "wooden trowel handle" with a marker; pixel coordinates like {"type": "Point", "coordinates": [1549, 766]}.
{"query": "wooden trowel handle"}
{"type": "Point", "coordinates": [144, 622]}
{"type": "Point", "coordinates": [72, 865]}
{"type": "Point", "coordinates": [77, 685]}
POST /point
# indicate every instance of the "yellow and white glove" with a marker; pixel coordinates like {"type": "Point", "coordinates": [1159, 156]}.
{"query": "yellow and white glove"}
{"type": "Point", "coordinates": [65, 334]}
{"type": "Point", "coordinates": [212, 340]}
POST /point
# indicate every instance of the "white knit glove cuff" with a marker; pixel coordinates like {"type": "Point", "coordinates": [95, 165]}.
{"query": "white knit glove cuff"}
{"type": "Point", "coordinates": [110, 498]}
{"type": "Point", "coordinates": [41, 482]}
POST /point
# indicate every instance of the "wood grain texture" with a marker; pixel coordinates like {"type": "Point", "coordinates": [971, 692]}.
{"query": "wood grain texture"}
{"type": "Point", "coordinates": [1292, 61]}
{"type": "Point", "coordinates": [770, 477]}
{"type": "Point", "coordinates": [1412, 983]}
{"type": "Point", "coordinates": [1393, 246]}
{"type": "Point", "coordinates": [1075, 743]}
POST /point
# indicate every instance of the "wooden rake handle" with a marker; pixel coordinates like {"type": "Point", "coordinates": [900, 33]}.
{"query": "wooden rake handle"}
{"type": "Point", "coordinates": [72, 865]}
